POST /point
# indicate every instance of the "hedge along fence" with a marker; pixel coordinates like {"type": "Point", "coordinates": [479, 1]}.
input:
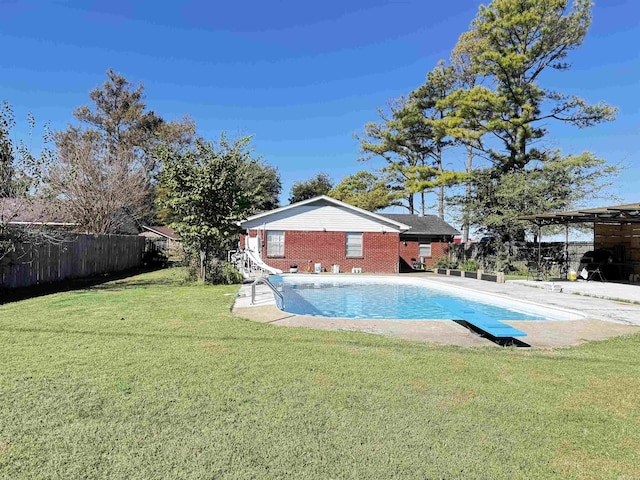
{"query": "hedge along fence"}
{"type": "Point", "coordinates": [77, 256]}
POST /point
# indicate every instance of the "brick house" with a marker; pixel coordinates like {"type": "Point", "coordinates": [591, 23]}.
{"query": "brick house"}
{"type": "Point", "coordinates": [330, 232]}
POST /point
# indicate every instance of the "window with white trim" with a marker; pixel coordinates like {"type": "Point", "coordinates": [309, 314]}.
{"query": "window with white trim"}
{"type": "Point", "coordinates": [275, 243]}
{"type": "Point", "coordinates": [424, 250]}
{"type": "Point", "coordinates": [354, 244]}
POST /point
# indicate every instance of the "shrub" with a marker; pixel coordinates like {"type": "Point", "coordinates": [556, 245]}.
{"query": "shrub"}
{"type": "Point", "coordinates": [217, 272]}
{"type": "Point", "coordinates": [469, 266]}
{"type": "Point", "coordinates": [444, 262]}
{"type": "Point", "coordinates": [154, 258]}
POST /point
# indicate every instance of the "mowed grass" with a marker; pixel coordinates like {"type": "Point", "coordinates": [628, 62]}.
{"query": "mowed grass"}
{"type": "Point", "coordinates": [149, 377]}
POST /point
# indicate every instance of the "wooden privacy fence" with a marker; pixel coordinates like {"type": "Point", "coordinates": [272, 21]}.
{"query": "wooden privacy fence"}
{"type": "Point", "coordinates": [78, 256]}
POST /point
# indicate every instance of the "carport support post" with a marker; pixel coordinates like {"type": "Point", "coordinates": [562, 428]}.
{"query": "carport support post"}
{"type": "Point", "coordinates": [539, 244]}
{"type": "Point", "coordinates": [566, 250]}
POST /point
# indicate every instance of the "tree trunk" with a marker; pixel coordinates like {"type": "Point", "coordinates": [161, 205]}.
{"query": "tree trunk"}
{"type": "Point", "coordinates": [467, 197]}
{"type": "Point", "coordinates": [441, 187]}
{"type": "Point", "coordinates": [203, 257]}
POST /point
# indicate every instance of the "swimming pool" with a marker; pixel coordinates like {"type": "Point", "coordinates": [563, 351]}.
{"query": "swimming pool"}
{"type": "Point", "coordinates": [399, 298]}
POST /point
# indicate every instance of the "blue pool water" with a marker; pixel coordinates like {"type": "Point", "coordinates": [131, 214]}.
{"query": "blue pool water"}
{"type": "Point", "coordinates": [379, 300]}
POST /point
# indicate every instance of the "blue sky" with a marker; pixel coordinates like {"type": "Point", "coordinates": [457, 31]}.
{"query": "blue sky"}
{"type": "Point", "coordinates": [302, 77]}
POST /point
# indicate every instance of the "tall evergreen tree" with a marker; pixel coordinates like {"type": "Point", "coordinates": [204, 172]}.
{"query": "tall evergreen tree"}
{"type": "Point", "coordinates": [510, 44]}
{"type": "Point", "coordinates": [400, 140]}
{"type": "Point", "coordinates": [364, 190]}
{"type": "Point", "coordinates": [425, 119]}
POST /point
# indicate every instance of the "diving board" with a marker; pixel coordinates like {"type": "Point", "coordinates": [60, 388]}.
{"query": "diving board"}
{"type": "Point", "coordinates": [480, 320]}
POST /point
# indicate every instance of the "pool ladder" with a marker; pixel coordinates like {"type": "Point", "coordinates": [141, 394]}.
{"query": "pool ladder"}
{"type": "Point", "coordinates": [266, 281]}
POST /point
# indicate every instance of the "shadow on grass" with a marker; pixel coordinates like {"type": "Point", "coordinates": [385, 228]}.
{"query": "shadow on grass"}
{"type": "Point", "coordinates": [117, 284]}
{"type": "Point", "coordinates": [98, 281]}
{"type": "Point", "coordinates": [181, 336]}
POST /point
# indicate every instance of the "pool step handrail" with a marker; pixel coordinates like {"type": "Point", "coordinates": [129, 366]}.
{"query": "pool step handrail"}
{"type": "Point", "coordinates": [250, 264]}
{"type": "Point", "coordinates": [266, 281]}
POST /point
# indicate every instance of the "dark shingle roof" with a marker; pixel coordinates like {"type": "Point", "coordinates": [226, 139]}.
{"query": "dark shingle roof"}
{"type": "Point", "coordinates": [426, 225]}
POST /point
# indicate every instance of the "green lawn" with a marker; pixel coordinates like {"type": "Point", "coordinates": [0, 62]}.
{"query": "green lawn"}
{"type": "Point", "coordinates": [149, 378]}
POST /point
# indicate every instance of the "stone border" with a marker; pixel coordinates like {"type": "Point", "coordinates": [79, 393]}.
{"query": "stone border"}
{"type": "Point", "coordinates": [497, 277]}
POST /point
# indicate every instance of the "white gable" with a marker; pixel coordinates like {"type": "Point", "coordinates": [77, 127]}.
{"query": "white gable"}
{"type": "Point", "coordinates": [320, 216]}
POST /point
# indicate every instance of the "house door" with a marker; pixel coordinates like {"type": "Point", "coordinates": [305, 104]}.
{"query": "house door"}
{"type": "Point", "coordinates": [254, 244]}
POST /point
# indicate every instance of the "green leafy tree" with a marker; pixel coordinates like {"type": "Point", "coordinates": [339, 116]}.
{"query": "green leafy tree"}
{"type": "Point", "coordinates": [553, 186]}
{"type": "Point", "coordinates": [9, 184]}
{"type": "Point", "coordinates": [321, 184]}
{"type": "Point", "coordinates": [365, 190]}
{"type": "Point", "coordinates": [262, 183]}
{"type": "Point", "coordinates": [19, 169]}
{"type": "Point", "coordinates": [20, 179]}
{"type": "Point", "coordinates": [510, 44]}
{"type": "Point", "coordinates": [204, 190]}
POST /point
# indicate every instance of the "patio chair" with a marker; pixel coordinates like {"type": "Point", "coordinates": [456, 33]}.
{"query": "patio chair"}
{"type": "Point", "coordinates": [533, 269]}
{"type": "Point", "coordinates": [417, 265]}
{"type": "Point", "coordinates": [597, 271]}
{"type": "Point", "coordinates": [595, 264]}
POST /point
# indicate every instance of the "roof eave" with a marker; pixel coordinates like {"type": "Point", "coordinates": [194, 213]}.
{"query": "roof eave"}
{"type": "Point", "coordinates": [399, 225]}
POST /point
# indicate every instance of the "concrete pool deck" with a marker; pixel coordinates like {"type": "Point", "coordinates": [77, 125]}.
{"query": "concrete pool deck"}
{"type": "Point", "coordinates": [604, 318]}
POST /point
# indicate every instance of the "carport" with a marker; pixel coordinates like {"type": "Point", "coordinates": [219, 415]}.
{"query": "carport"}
{"type": "Point", "coordinates": [615, 228]}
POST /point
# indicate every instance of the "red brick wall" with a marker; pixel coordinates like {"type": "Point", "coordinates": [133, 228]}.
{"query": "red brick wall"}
{"type": "Point", "coordinates": [380, 251]}
{"type": "Point", "coordinates": [410, 250]}
{"type": "Point", "coordinates": [438, 249]}
{"type": "Point", "coordinates": [243, 237]}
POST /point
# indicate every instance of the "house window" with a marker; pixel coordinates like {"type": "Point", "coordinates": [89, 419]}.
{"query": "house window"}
{"type": "Point", "coordinates": [424, 250]}
{"type": "Point", "coordinates": [354, 244]}
{"type": "Point", "coordinates": [275, 243]}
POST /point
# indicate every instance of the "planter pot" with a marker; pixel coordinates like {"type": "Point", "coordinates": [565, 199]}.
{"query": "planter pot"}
{"type": "Point", "coordinates": [455, 273]}
{"type": "Point", "coordinates": [470, 274]}
{"type": "Point", "coordinates": [441, 271]}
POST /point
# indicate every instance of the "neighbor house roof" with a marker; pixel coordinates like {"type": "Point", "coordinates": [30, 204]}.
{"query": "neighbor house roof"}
{"type": "Point", "coordinates": [423, 225]}
{"type": "Point", "coordinates": [323, 198]}
{"type": "Point", "coordinates": [163, 231]}
{"type": "Point", "coordinates": [22, 211]}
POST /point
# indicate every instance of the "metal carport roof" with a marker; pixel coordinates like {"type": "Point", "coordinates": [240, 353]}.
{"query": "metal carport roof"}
{"type": "Point", "coordinates": [626, 213]}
